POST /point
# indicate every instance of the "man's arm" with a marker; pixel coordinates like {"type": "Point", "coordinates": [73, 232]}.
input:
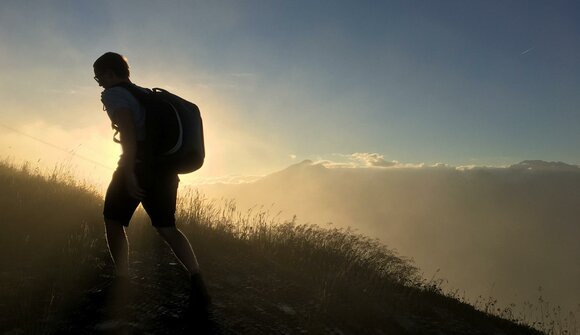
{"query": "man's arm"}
{"type": "Point", "coordinates": [129, 145]}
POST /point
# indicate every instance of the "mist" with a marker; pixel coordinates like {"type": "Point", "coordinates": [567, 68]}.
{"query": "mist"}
{"type": "Point", "coordinates": [508, 233]}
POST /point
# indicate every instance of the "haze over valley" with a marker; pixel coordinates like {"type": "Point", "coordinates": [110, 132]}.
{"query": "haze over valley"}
{"type": "Point", "coordinates": [500, 232]}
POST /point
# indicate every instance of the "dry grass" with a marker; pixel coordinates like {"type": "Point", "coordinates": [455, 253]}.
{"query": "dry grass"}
{"type": "Point", "coordinates": [52, 240]}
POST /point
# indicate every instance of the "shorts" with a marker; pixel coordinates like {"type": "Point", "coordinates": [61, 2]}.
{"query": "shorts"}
{"type": "Point", "coordinates": [159, 202]}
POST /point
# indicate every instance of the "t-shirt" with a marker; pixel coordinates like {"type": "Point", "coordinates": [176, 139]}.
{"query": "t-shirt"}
{"type": "Point", "coordinates": [116, 98]}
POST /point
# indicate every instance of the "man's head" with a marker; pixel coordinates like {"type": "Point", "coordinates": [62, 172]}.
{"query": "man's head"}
{"type": "Point", "coordinates": [110, 69]}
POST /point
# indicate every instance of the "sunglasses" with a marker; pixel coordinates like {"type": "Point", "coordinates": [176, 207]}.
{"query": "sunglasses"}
{"type": "Point", "coordinates": [99, 77]}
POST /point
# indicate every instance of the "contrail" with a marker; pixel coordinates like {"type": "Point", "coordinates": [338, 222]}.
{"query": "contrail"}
{"type": "Point", "coordinates": [525, 52]}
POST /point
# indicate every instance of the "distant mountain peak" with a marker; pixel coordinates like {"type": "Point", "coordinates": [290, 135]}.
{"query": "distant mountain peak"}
{"type": "Point", "coordinates": [306, 164]}
{"type": "Point", "coordinates": [544, 165]}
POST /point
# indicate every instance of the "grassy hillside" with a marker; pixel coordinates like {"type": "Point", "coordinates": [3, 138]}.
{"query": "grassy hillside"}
{"type": "Point", "coordinates": [266, 275]}
{"type": "Point", "coordinates": [491, 231]}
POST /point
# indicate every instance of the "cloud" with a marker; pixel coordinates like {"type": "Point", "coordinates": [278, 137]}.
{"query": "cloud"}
{"type": "Point", "coordinates": [243, 75]}
{"type": "Point", "coordinates": [466, 167]}
{"type": "Point", "coordinates": [544, 166]}
{"type": "Point", "coordinates": [372, 159]}
{"type": "Point", "coordinates": [355, 160]}
{"type": "Point", "coordinates": [440, 165]}
{"type": "Point", "coordinates": [526, 51]}
{"type": "Point", "coordinates": [369, 160]}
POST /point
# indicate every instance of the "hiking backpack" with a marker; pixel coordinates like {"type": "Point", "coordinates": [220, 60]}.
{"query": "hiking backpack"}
{"type": "Point", "coordinates": [173, 129]}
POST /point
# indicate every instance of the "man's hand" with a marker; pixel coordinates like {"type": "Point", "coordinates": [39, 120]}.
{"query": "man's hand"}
{"type": "Point", "coordinates": [133, 187]}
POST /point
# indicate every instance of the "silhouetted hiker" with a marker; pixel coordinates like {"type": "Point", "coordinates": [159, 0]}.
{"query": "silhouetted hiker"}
{"type": "Point", "coordinates": [137, 180]}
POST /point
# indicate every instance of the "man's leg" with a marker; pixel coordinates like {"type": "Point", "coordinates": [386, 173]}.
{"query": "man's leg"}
{"type": "Point", "coordinates": [118, 209]}
{"type": "Point", "coordinates": [118, 247]}
{"type": "Point", "coordinates": [161, 208]}
{"type": "Point", "coordinates": [180, 246]}
{"type": "Point", "coordinates": [199, 298]}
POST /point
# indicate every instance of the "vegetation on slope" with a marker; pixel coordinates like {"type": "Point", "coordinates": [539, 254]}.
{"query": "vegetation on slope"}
{"type": "Point", "coordinates": [266, 275]}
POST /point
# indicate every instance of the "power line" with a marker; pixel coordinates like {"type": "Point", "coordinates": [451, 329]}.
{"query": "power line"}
{"type": "Point", "coordinates": [56, 147]}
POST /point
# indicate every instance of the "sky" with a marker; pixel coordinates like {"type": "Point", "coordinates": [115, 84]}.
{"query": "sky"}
{"type": "Point", "coordinates": [278, 82]}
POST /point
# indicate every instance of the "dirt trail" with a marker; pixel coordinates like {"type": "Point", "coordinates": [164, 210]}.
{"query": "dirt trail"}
{"type": "Point", "coordinates": [155, 301]}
